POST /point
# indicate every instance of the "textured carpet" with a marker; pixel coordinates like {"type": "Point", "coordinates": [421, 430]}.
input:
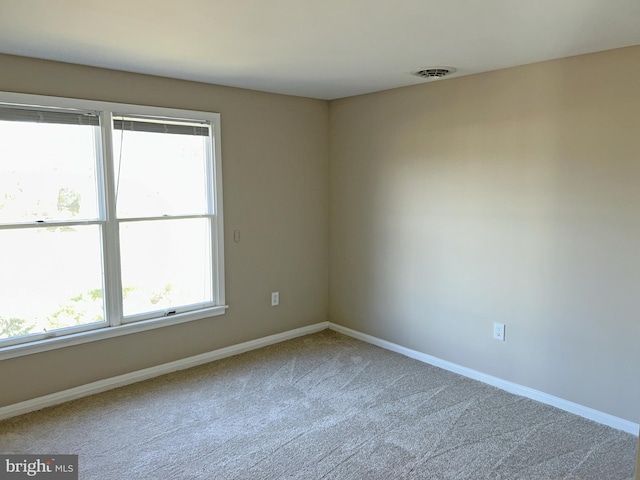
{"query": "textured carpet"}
{"type": "Point", "coordinates": [320, 406]}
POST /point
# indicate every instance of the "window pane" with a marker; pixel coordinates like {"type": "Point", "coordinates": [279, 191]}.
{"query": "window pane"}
{"type": "Point", "coordinates": [47, 172]}
{"type": "Point", "coordinates": [52, 278]}
{"type": "Point", "coordinates": [165, 264]}
{"type": "Point", "coordinates": [159, 173]}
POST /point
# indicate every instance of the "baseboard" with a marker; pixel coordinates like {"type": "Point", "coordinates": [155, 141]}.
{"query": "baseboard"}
{"type": "Point", "coordinates": [571, 407]}
{"type": "Point", "coordinates": [147, 373]}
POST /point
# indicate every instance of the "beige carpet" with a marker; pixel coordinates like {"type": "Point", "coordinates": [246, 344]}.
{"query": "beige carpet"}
{"type": "Point", "coordinates": [321, 406]}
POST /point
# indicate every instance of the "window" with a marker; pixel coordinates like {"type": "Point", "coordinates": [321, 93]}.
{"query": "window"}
{"type": "Point", "coordinates": [110, 220]}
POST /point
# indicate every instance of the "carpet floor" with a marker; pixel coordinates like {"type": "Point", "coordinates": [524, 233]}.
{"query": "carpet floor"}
{"type": "Point", "coordinates": [324, 406]}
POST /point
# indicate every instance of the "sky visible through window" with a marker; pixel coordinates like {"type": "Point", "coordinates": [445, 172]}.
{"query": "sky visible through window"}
{"type": "Point", "coordinates": [52, 275]}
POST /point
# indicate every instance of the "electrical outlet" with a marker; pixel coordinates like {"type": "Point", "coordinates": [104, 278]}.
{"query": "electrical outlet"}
{"type": "Point", "coordinates": [498, 331]}
{"type": "Point", "coordinates": [275, 299]}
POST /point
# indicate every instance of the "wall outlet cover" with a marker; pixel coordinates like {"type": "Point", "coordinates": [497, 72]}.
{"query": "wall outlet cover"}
{"type": "Point", "coordinates": [498, 331]}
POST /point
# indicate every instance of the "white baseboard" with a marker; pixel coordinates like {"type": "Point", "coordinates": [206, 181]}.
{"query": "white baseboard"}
{"type": "Point", "coordinates": [147, 373]}
{"type": "Point", "coordinates": [571, 407]}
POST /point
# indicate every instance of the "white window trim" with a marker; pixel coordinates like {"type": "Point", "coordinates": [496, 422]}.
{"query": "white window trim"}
{"type": "Point", "coordinates": [217, 253]}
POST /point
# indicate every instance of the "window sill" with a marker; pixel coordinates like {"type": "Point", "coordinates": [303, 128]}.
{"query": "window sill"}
{"type": "Point", "coordinates": [106, 332]}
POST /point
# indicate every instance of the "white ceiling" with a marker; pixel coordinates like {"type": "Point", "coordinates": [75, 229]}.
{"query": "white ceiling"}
{"type": "Point", "coordinates": [314, 48]}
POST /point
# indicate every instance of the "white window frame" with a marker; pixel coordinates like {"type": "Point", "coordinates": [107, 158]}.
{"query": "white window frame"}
{"type": "Point", "coordinates": [118, 325]}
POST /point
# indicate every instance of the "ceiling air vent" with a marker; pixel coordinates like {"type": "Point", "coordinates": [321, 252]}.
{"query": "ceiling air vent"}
{"type": "Point", "coordinates": [434, 73]}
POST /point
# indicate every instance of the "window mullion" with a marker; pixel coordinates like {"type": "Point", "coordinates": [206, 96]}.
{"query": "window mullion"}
{"type": "Point", "coordinates": [111, 244]}
{"type": "Point", "coordinates": [211, 210]}
{"type": "Point", "coordinates": [214, 194]}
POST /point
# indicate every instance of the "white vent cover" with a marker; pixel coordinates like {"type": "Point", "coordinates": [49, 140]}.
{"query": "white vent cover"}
{"type": "Point", "coordinates": [434, 73]}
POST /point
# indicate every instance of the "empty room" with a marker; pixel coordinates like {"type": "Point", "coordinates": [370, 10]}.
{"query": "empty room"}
{"type": "Point", "coordinates": [414, 227]}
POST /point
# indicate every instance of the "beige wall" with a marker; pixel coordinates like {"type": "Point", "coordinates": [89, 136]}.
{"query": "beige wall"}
{"type": "Point", "coordinates": [511, 196]}
{"type": "Point", "coordinates": [275, 170]}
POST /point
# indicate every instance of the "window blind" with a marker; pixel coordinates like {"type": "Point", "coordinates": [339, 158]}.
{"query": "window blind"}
{"type": "Point", "coordinates": [36, 115]}
{"type": "Point", "coordinates": [139, 125]}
